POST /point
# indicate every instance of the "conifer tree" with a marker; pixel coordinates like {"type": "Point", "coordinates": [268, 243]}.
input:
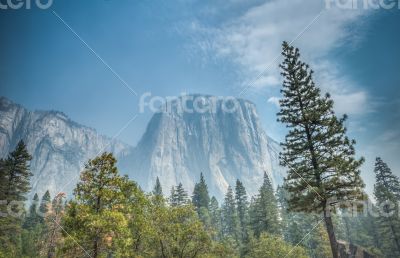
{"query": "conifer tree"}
{"type": "Point", "coordinates": [215, 216]}
{"type": "Point", "coordinates": [296, 225]}
{"type": "Point", "coordinates": [44, 204]}
{"type": "Point", "coordinates": [33, 230]}
{"type": "Point", "coordinates": [157, 191]}
{"type": "Point", "coordinates": [318, 154]}
{"type": "Point", "coordinates": [179, 196]}
{"type": "Point", "coordinates": [173, 197]}
{"type": "Point", "coordinates": [53, 236]}
{"type": "Point", "coordinates": [387, 195]}
{"type": "Point", "coordinates": [15, 174]}
{"type": "Point", "coordinates": [242, 210]}
{"type": "Point", "coordinates": [14, 185]}
{"type": "Point", "coordinates": [230, 222]}
{"type": "Point", "coordinates": [200, 196]}
{"type": "Point", "coordinates": [32, 217]}
{"type": "Point", "coordinates": [264, 214]}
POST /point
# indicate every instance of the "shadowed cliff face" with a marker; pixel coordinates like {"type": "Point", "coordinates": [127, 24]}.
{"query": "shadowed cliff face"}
{"type": "Point", "coordinates": [176, 146]}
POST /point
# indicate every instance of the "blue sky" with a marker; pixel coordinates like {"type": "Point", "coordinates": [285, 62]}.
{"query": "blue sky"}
{"type": "Point", "coordinates": [214, 47]}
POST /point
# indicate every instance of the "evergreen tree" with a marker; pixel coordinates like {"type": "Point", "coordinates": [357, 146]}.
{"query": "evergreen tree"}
{"type": "Point", "coordinates": [32, 217]}
{"type": "Point", "coordinates": [387, 195]}
{"type": "Point", "coordinates": [15, 174]}
{"type": "Point", "coordinates": [179, 196]}
{"type": "Point", "coordinates": [318, 154]}
{"type": "Point", "coordinates": [14, 185]}
{"type": "Point", "coordinates": [157, 191]}
{"type": "Point", "coordinates": [96, 216]}
{"type": "Point", "coordinates": [200, 196]}
{"type": "Point", "coordinates": [264, 214]}
{"type": "Point", "coordinates": [230, 221]}
{"type": "Point", "coordinates": [53, 237]}
{"type": "Point", "coordinates": [296, 225]}
{"type": "Point", "coordinates": [44, 204]}
{"type": "Point", "coordinates": [215, 217]}
{"type": "Point", "coordinates": [33, 230]}
{"type": "Point", "coordinates": [242, 210]}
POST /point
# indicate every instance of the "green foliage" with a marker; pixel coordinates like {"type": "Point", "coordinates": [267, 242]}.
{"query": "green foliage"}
{"type": "Point", "coordinates": [269, 246]}
{"type": "Point", "coordinates": [178, 196]}
{"type": "Point", "coordinates": [96, 215]}
{"type": "Point", "coordinates": [230, 220]}
{"type": "Point", "coordinates": [318, 154]}
{"type": "Point", "coordinates": [45, 203]}
{"type": "Point", "coordinates": [110, 216]}
{"type": "Point", "coordinates": [178, 232]}
{"type": "Point", "coordinates": [33, 229]}
{"type": "Point", "coordinates": [52, 236]}
{"type": "Point", "coordinates": [296, 225]}
{"type": "Point", "coordinates": [242, 205]}
{"type": "Point", "coordinates": [157, 191]}
{"type": "Point", "coordinates": [387, 195]}
{"type": "Point", "coordinates": [264, 214]}
{"type": "Point", "coordinates": [14, 185]}
{"type": "Point", "coordinates": [200, 196]}
{"type": "Point", "coordinates": [215, 219]}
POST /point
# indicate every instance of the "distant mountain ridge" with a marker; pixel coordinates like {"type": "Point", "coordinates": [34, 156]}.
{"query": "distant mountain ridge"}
{"type": "Point", "coordinates": [59, 146]}
{"type": "Point", "coordinates": [176, 147]}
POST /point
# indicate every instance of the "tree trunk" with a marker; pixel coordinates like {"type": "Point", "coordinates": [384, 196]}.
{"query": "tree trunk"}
{"type": "Point", "coordinates": [396, 239]}
{"type": "Point", "coordinates": [331, 234]}
{"type": "Point", "coordinates": [95, 248]}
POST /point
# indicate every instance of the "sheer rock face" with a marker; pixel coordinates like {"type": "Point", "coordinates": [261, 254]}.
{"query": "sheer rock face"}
{"type": "Point", "coordinates": [59, 147]}
{"type": "Point", "coordinates": [176, 147]}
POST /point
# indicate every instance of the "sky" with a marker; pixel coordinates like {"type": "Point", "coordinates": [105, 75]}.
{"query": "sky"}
{"type": "Point", "coordinates": [93, 60]}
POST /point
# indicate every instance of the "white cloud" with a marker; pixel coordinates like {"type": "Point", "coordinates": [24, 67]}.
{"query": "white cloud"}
{"type": "Point", "coordinates": [253, 41]}
{"type": "Point", "coordinates": [274, 100]}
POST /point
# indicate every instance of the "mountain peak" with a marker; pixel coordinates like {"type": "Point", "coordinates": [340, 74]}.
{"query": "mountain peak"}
{"type": "Point", "coordinates": [201, 134]}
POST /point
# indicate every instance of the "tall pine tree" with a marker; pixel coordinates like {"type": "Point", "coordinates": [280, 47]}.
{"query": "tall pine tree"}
{"type": "Point", "coordinates": [157, 191]}
{"type": "Point", "coordinates": [14, 185]}
{"type": "Point", "coordinates": [230, 221]}
{"type": "Point", "coordinates": [200, 196]}
{"type": "Point", "coordinates": [242, 210]}
{"type": "Point", "coordinates": [318, 154]}
{"type": "Point", "coordinates": [387, 195]}
{"type": "Point", "coordinates": [179, 196]}
{"type": "Point", "coordinates": [44, 204]}
{"type": "Point", "coordinates": [264, 213]}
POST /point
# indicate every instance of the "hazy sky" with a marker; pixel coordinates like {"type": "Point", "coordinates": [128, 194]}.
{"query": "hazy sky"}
{"type": "Point", "coordinates": [216, 47]}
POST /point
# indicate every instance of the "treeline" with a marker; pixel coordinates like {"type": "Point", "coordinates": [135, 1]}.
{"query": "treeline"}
{"type": "Point", "coordinates": [110, 216]}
